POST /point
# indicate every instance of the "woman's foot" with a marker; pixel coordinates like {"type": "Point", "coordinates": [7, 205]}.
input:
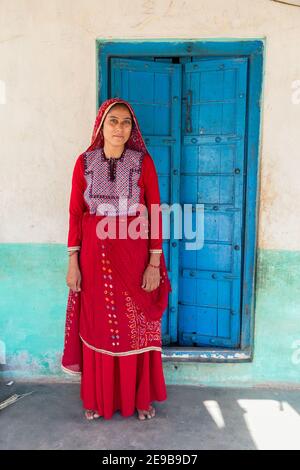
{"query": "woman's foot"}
{"type": "Point", "coordinates": [91, 414]}
{"type": "Point", "coordinates": [146, 414]}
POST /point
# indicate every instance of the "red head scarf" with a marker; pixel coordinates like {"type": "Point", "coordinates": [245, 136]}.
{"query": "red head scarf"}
{"type": "Point", "coordinates": [135, 141]}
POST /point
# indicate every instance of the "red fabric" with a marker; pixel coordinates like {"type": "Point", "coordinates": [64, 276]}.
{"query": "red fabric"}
{"type": "Point", "coordinates": [135, 140]}
{"type": "Point", "coordinates": [111, 383]}
{"type": "Point", "coordinates": [149, 196]}
{"type": "Point", "coordinates": [148, 181]}
{"type": "Point", "coordinates": [112, 313]}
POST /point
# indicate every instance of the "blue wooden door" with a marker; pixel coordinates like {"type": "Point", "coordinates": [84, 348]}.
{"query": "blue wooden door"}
{"type": "Point", "coordinates": [154, 91]}
{"type": "Point", "coordinates": [192, 116]}
{"type": "Point", "coordinates": [212, 174]}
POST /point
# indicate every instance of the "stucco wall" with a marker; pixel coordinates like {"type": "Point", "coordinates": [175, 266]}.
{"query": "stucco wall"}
{"type": "Point", "coordinates": [47, 111]}
{"type": "Point", "coordinates": [48, 68]}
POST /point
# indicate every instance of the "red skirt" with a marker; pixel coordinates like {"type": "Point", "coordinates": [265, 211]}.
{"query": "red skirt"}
{"type": "Point", "coordinates": [124, 383]}
{"type": "Point", "coordinates": [113, 314]}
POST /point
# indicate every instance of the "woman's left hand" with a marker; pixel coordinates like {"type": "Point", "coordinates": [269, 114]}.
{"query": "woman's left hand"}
{"type": "Point", "coordinates": [151, 278]}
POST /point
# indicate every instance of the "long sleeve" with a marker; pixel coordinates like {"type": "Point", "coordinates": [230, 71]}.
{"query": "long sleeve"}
{"type": "Point", "coordinates": [77, 206]}
{"type": "Point", "coordinates": [152, 199]}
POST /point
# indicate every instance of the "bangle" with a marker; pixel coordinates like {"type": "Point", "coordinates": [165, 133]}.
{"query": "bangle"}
{"type": "Point", "coordinates": [153, 266]}
{"type": "Point", "coordinates": [71, 253]}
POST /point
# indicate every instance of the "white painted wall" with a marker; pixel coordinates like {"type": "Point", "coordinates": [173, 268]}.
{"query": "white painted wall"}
{"type": "Point", "coordinates": [48, 100]}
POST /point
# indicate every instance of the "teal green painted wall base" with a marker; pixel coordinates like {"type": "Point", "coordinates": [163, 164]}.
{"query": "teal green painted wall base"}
{"type": "Point", "coordinates": [33, 298]}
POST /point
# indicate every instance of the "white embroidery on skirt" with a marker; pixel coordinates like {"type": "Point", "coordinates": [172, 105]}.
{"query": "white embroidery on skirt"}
{"type": "Point", "coordinates": [109, 299]}
{"type": "Point", "coordinates": [142, 332]}
{"type": "Point", "coordinates": [72, 299]}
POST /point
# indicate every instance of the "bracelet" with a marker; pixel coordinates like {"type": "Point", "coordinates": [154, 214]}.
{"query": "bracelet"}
{"type": "Point", "coordinates": [71, 253]}
{"type": "Point", "coordinates": [153, 266]}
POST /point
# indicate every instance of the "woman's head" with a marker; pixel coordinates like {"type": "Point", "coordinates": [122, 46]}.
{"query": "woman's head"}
{"type": "Point", "coordinates": [117, 125]}
{"type": "Point", "coordinates": [117, 107]}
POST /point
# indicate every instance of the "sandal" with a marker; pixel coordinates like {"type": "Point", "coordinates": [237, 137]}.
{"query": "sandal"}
{"type": "Point", "coordinates": [146, 414]}
{"type": "Point", "coordinates": [91, 414]}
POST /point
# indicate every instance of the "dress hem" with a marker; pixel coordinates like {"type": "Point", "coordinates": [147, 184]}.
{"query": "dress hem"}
{"type": "Point", "coordinates": [69, 371]}
{"type": "Point", "coordinates": [118, 410]}
{"type": "Point", "coordinates": [125, 353]}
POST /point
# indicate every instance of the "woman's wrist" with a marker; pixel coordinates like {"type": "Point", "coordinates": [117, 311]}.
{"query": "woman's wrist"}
{"type": "Point", "coordinates": [154, 259]}
{"type": "Point", "coordinates": [73, 258]}
{"type": "Point", "coordinates": [154, 266]}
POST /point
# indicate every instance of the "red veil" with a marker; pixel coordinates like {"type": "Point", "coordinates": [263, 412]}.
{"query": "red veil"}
{"type": "Point", "coordinates": [128, 259]}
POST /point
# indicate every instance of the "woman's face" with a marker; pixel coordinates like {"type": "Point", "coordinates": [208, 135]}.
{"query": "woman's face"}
{"type": "Point", "coordinates": [117, 126]}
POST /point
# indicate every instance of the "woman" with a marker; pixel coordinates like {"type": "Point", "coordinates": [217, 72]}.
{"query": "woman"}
{"type": "Point", "coordinates": [118, 284]}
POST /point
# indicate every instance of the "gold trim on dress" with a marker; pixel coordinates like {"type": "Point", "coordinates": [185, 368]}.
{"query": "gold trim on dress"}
{"type": "Point", "coordinates": [126, 353]}
{"type": "Point", "coordinates": [69, 371]}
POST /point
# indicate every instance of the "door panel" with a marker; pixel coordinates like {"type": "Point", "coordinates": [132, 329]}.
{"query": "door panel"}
{"type": "Point", "coordinates": [212, 174]}
{"type": "Point", "coordinates": [198, 149]}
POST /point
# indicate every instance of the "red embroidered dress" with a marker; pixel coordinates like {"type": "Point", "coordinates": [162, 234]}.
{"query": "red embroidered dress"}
{"type": "Point", "coordinates": [113, 326]}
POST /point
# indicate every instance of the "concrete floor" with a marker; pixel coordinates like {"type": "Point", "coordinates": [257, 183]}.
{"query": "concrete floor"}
{"type": "Point", "coordinates": [191, 418]}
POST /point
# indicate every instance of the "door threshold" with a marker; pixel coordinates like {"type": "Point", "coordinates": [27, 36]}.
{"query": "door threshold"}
{"type": "Point", "coordinates": [200, 354]}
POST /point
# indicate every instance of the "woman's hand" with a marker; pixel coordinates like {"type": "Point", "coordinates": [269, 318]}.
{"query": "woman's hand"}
{"type": "Point", "coordinates": [73, 278]}
{"type": "Point", "coordinates": [151, 278]}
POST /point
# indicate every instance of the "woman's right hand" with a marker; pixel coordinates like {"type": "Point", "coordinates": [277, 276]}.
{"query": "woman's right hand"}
{"type": "Point", "coordinates": [73, 278]}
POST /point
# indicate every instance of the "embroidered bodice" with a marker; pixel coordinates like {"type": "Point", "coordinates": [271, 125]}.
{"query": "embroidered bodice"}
{"type": "Point", "coordinates": [112, 180]}
{"type": "Point", "coordinates": [96, 182]}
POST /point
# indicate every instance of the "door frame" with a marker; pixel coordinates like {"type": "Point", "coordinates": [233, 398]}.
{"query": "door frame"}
{"type": "Point", "coordinates": [254, 50]}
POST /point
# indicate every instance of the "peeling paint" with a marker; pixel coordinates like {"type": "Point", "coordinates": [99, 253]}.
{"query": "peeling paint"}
{"type": "Point", "coordinates": [208, 355]}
